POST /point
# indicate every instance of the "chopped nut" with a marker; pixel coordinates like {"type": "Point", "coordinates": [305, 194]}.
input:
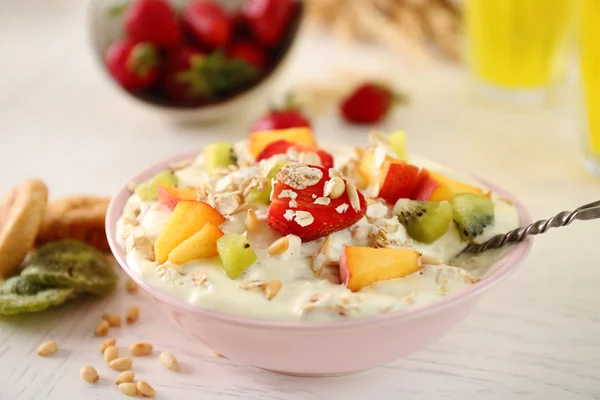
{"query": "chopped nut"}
{"type": "Point", "coordinates": [112, 319]}
{"type": "Point", "coordinates": [102, 328]}
{"type": "Point", "coordinates": [289, 215]}
{"type": "Point", "coordinates": [106, 343]}
{"type": "Point", "coordinates": [132, 314]}
{"type": "Point", "coordinates": [353, 196]}
{"type": "Point", "coordinates": [320, 259]}
{"type": "Point", "coordinates": [132, 287]}
{"type": "Point", "coordinates": [145, 389]}
{"type": "Point", "coordinates": [121, 364]}
{"type": "Point", "coordinates": [299, 176]}
{"type": "Point", "coordinates": [334, 188]}
{"type": "Point", "coordinates": [125, 376]}
{"type": "Point", "coordinates": [47, 348]}
{"type": "Point", "coordinates": [287, 194]}
{"type": "Point", "coordinates": [111, 353]}
{"type": "Point", "coordinates": [272, 288]}
{"type": "Point", "coordinates": [199, 278]}
{"type": "Point", "coordinates": [128, 388]}
{"type": "Point", "coordinates": [293, 204]}
{"type": "Point", "coordinates": [342, 208]}
{"type": "Point", "coordinates": [252, 222]}
{"type": "Point", "coordinates": [168, 361]}
{"type": "Point", "coordinates": [323, 201]}
{"type": "Point", "coordinates": [304, 218]}
{"type": "Point", "coordinates": [89, 374]}
{"type": "Point", "coordinates": [140, 349]}
{"type": "Point", "coordinates": [279, 246]}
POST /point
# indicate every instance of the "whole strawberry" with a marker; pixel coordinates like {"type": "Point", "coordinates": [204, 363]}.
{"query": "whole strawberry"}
{"type": "Point", "coordinates": [152, 21]}
{"type": "Point", "coordinates": [249, 52]}
{"type": "Point", "coordinates": [268, 19]}
{"type": "Point", "coordinates": [133, 65]}
{"type": "Point", "coordinates": [183, 80]}
{"type": "Point", "coordinates": [288, 116]}
{"type": "Point", "coordinates": [369, 103]}
{"type": "Point", "coordinates": [208, 24]}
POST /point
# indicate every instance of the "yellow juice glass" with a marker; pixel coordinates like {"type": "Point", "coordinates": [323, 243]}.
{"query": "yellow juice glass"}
{"type": "Point", "coordinates": [517, 49]}
{"type": "Point", "coordinates": [589, 47]}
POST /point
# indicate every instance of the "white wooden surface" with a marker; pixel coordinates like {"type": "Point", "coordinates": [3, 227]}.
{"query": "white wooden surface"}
{"type": "Point", "coordinates": [536, 336]}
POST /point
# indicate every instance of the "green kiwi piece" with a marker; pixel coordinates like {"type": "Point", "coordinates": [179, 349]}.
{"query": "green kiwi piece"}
{"type": "Point", "coordinates": [235, 253]}
{"type": "Point", "coordinates": [472, 214]}
{"type": "Point", "coordinates": [263, 195]}
{"type": "Point", "coordinates": [147, 190]}
{"type": "Point", "coordinates": [425, 221]}
{"type": "Point", "coordinates": [71, 264]}
{"type": "Point", "coordinates": [218, 156]}
{"type": "Point", "coordinates": [19, 295]}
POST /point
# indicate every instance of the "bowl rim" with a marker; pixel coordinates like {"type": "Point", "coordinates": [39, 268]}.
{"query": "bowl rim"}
{"type": "Point", "coordinates": [499, 271]}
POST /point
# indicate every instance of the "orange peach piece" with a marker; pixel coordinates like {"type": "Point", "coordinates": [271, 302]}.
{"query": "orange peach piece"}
{"type": "Point", "coordinates": [169, 195]}
{"type": "Point", "coordinates": [187, 218]}
{"type": "Point", "coordinates": [363, 266]}
{"type": "Point", "coordinates": [259, 140]}
{"type": "Point", "coordinates": [450, 187]}
{"type": "Point", "coordinates": [202, 244]}
{"type": "Point", "coordinates": [369, 171]}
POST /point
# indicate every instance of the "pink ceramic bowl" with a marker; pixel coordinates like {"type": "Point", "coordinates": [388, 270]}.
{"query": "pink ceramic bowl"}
{"type": "Point", "coordinates": [317, 349]}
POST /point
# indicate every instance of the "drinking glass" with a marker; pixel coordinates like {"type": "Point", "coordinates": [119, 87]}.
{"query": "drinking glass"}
{"type": "Point", "coordinates": [518, 49]}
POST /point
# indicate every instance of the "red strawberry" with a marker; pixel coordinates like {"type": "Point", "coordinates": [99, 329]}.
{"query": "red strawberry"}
{"type": "Point", "coordinates": [268, 19]}
{"type": "Point", "coordinates": [133, 65]}
{"type": "Point", "coordinates": [182, 81]}
{"type": "Point", "coordinates": [249, 52]}
{"type": "Point", "coordinates": [152, 21]}
{"type": "Point", "coordinates": [208, 23]}
{"type": "Point", "coordinates": [305, 218]}
{"type": "Point", "coordinates": [282, 146]}
{"type": "Point", "coordinates": [288, 116]}
{"type": "Point", "coordinates": [369, 103]}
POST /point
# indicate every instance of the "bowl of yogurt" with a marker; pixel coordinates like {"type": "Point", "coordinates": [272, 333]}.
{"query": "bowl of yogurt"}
{"type": "Point", "coordinates": [309, 258]}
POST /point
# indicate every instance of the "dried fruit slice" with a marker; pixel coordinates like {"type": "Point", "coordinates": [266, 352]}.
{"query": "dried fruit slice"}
{"type": "Point", "coordinates": [147, 190]}
{"type": "Point", "coordinates": [19, 295]}
{"type": "Point", "coordinates": [202, 244]}
{"type": "Point", "coordinates": [71, 264]}
{"type": "Point", "coordinates": [187, 218]}
{"type": "Point", "coordinates": [236, 254]}
{"type": "Point", "coordinates": [21, 213]}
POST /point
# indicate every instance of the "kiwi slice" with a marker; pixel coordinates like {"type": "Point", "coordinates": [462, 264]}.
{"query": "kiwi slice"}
{"type": "Point", "coordinates": [147, 190]}
{"type": "Point", "coordinates": [218, 156]}
{"type": "Point", "coordinates": [425, 221]}
{"type": "Point", "coordinates": [263, 195]}
{"type": "Point", "coordinates": [472, 214]}
{"type": "Point", "coordinates": [71, 264]}
{"type": "Point", "coordinates": [235, 253]}
{"type": "Point", "coordinates": [398, 144]}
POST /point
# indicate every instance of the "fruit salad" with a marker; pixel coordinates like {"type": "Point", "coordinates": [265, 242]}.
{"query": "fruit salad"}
{"type": "Point", "coordinates": [282, 227]}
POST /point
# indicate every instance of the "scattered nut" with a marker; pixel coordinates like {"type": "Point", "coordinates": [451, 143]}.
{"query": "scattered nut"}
{"type": "Point", "coordinates": [334, 188]}
{"type": "Point", "coordinates": [128, 388]}
{"type": "Point", "coordinates": [112, 319]}
{"type": "Point", "coordinates": [251, 220]}
{"type": "Point", "coordinates": [199, 278]}
{"type": "Point", "coordinates": [121, 364]}
{"type": "Point", "coordinates": [102, 328]}
{"type": "Point", "coordinates": [132, 287]}
{"type": "Point", "coordinates": [47, 348]}
{"type": "Point", "coordinates": [133, 314]}
{"type": "Point", "coordinates": [145, 389]}
{"type": "Point", "coordinates": [272, 288]}
{"type": "Point", "coordinates": [353, 196]}
{"type": "Point", "coordinates": [111, 353]}
{"type": "Point", "coordinates": [106, 343]}
{"type": "Point", "coordinates": [125, 376]}
{"type": "Point", "coordinates": [279, 246]}
{"type": "Point", "coordinates": [140, 349]}
{"type": "Point", "coordinates": [168, 361]}
{"type": "Point", "coordinates": [89, 374]}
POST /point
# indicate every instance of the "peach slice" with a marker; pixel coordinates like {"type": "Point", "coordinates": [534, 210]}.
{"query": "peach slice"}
{"type": "Point", "coordinates": [187, 218]}
{"type": "Point", "coordinates": [369, 171]}
{"type": "Point", "coordinates": [202, 244]}
{"type": "Point", "coordinates": [450, 187]}
{"type": "Point", "coordinates": [259, 140]}
{"type": "Point", "coordinates": [169, 196]}
{"type": "Point", "coordinates": [363, 266]}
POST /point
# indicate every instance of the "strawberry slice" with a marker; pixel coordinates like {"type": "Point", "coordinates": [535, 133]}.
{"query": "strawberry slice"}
{"type": "Point", "coordinates": [282, 146]}
{"type": "Point", "coordinates": [306, 212]}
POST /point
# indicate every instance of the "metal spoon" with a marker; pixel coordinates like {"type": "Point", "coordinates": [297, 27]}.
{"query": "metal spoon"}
{"type": "Point", "coordinates": [587, 212]}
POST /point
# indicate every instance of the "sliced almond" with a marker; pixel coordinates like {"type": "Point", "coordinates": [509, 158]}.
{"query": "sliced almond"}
{"type": "Point", "coordinates": [279, 246]}
{"type": "Point", "coordinates": [353, 196]}
{"type": "Point", "coordinates": [334, 188]}
{"type": "Point", "coordinates": [271, 289]}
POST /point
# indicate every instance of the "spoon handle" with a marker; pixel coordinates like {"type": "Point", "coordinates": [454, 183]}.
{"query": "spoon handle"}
{"type": "Point", "coordinates": [587, 212]}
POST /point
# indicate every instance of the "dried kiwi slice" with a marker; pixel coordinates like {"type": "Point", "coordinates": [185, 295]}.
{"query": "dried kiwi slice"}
{"type": "Point", "coordinates": [425, 221]}
{"type": "Point", "coordinates": [71, 264]}
{"type": "Point", "coordinates": [19, 295]}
